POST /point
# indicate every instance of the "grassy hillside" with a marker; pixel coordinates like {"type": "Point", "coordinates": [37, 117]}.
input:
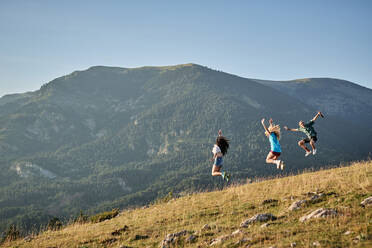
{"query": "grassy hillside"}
{"type": "Point", "coordinates": [341, 189]}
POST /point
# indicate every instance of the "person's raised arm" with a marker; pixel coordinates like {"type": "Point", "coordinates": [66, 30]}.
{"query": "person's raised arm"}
{"type": "Point", "coordinates": [290, 129]}
{"type": "Point", "coordinates": [316, 116]}
{"type": "Point", "coordinates": [264, 126]}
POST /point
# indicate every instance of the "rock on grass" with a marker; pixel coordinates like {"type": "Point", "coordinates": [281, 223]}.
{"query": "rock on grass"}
{"type": "Point", "coordinates": [258, 218]}
{"type": "Point", "coordinates": [367, 202]}
{"type": "Point", "coordinates": [219, 240]}
{"type": "Point", "coordinates": [321, 212]}
{"type": "Point", "coordinates": [171, 238]}
{"type": "Point", "coordinates": [297, 205]}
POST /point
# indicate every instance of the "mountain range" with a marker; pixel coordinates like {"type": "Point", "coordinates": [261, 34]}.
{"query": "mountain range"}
{"type": "Point", "coordinates": [111, 137]}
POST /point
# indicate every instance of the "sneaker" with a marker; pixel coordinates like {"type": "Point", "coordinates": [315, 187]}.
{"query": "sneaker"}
{"type": "Point", "coordinates": [227, 177]}
{"type": "Point", "coordinates": [314, 151]}
{"type": "Point", "coordinates": [282, 165]}
{"type": "Point", "coordinates": [307, 153]}
{"type": "Point", "coordinates": [278, 163]}
{"type": "Point", "coordinates": [223, 175]}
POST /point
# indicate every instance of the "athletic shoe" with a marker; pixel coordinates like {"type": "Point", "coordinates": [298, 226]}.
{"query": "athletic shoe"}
{"type": "Point", "coordinates": [278, 163]}
{"type": "Point", "coordinates": [314, 151]}
{"type": "Point", "coordinates": [227, 177]}
{"type": "Point", "coordinates": [307, 153]}
{"type": "Point", "coordinates": [282, 165]}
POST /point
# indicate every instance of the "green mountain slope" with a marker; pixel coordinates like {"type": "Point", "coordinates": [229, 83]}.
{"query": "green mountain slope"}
{"type": "Point", "coordinates": [115, 137]}
{"type": "Point", "coordinates": [335, 97]}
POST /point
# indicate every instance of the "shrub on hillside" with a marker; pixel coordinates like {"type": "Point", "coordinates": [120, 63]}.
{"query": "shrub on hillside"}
{"type": "Point", "coordinates": [54, 224]}
{"type": "Point", "coordinates": [12, 234]}
{"type": "Point", "coordinates": [81, 219]}
{"type": "Point", "coordinates": [165, 198]}
{"type": "Point", "coordinates": [104, 216]}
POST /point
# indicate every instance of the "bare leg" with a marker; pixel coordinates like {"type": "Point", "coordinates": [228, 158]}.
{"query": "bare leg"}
{"type": "Point", "coordinates": [271, 158]}
{"type": "Point", "coordinates": [216, 170]}
{"type": "Point", "coordinates": [312, 143]}
{"type": "Point", "coordinates": [301, 143]}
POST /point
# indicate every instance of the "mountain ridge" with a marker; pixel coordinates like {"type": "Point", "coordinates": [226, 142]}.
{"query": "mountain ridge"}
{"type": "Point", "coordinates": [118, 137]}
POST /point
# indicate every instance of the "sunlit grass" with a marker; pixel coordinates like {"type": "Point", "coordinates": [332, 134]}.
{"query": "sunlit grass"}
{"type": "Point", "coordinates": [225, 210]}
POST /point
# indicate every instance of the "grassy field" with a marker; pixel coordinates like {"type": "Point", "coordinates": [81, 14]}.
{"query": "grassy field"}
{"type": "Point", "coordinates": [343, 190]}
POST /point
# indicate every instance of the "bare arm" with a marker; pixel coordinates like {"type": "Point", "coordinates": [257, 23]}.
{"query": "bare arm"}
{"type": "Point", "coordinates": [291, 129]}
{"type": "Point", "coordinates": [316, 116]}
{"type": "Point", "coordinates": [264, 126]}
{"type": "Point", "coordinates": [213, 157]}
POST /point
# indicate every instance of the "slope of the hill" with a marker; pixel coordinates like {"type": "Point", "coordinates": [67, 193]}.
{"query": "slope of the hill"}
{"type": "Point", "coordinates": [333, 96]}
{"type": "Point", "coordinates": [215, 218]}
{"type": "Point", "coordinates": [115, 137]}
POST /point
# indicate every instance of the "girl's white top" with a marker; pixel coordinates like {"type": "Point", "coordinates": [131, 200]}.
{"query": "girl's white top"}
{"type": "Point", "coordinates": [216, 149]}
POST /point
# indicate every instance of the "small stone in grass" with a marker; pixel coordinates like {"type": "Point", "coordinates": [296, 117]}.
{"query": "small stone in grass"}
{"type": "Point", "coordinates": [316, 243]}
{"type": "Point", "coordinates": [206, 227]}
{"type": "Point", "coordinates": [367, 202]}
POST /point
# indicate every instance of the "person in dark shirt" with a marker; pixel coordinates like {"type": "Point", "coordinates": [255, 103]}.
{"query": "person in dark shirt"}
{"type": "Point", "coordinates": [309, 131]}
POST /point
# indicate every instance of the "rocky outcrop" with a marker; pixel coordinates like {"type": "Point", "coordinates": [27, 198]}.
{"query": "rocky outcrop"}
{"type": "Point", "coordinates": [258, 218]}
{"type": "Point", "coordinates": [171, 239]}
{"type": "Point", "coordinates": [219, 240]}
{"type": "Point", "coordinates": [321, 212]}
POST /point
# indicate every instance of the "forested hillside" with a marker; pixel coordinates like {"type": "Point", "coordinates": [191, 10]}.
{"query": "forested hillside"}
{"type": "Point", "coordinates": [115, 137]}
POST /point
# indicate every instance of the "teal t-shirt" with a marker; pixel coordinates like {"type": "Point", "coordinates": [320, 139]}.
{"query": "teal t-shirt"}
{"type": "Point", "coordinates": [308, 129]}
{"type": "Point", "coordinates": [274, 143]}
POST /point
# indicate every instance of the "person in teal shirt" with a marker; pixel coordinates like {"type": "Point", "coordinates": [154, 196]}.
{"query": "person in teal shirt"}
{"type": "Point", "coordinates": [309, 131]}
{"type": "Point", "coordinates": [273, 133]}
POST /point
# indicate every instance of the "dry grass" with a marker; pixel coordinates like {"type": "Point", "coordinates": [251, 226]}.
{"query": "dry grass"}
{"type": "Point", "coordinates": [225, 210]}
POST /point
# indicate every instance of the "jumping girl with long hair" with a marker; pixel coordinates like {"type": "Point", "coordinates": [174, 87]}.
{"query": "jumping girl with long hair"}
{"type": "Point", "coordinates": [273, 133]}
{"type": "Point", "coordinates": [219, 150]}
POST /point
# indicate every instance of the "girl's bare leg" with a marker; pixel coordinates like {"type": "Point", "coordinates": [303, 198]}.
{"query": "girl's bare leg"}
{"type": "Point", "coordinates": [271, 158]}
{"type": "Point", "coordinates": [216, 170]}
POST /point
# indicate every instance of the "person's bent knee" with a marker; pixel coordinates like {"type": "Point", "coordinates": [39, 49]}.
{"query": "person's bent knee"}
{"type": "Point", "coordinates": [301, 142]}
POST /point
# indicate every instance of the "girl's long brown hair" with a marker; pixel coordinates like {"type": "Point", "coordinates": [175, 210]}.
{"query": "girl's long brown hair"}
{"type": "Point", "coordinates": [223, 144]}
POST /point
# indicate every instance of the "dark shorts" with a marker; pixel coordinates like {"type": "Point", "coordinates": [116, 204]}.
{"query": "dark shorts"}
{"type": "Point", "coordinates": [218, 161]}
{"type": "Point", "coordinates": [275, 153]}
{"type": "Point", "coordinates": [307, 140]}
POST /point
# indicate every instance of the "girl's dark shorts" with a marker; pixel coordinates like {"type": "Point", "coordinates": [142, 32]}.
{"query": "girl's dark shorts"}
{"type": "Point", "coordinates": [218, 161]}
{"type": "Point", "coordinates": [307, 140]}
{"type": "Point", "coordinates": [275, 153]}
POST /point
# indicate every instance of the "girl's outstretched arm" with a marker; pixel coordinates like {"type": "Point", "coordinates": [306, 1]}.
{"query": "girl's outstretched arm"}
{"type": "Point", "coordinates": [263, 124]}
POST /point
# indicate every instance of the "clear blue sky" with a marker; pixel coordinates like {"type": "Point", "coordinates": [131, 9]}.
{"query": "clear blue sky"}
{"type": "Point", "coordinates": [279, 40]}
